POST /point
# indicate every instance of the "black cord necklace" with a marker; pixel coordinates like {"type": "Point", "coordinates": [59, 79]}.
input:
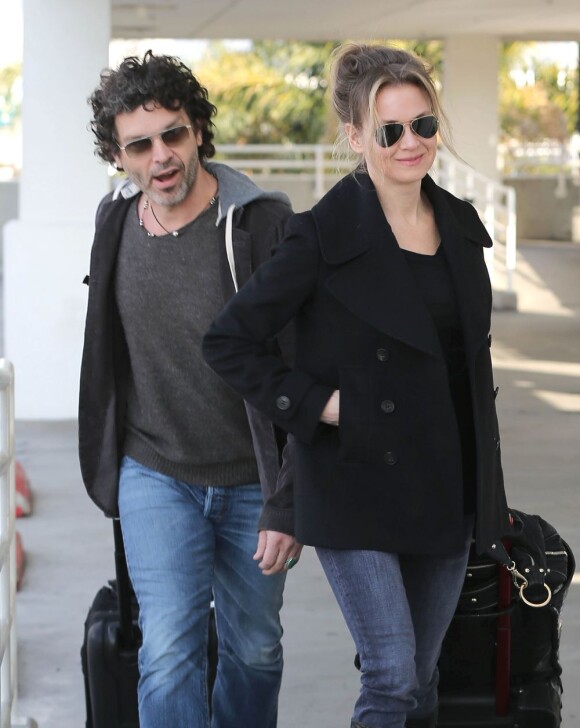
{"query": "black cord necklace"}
{"type": "Point", "coordinates": [175, 233]}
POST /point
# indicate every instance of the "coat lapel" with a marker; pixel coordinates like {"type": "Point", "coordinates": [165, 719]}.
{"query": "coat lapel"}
{"type": "Point", "coordinates": [110, 219]}
{"type": "Point", "coordinates": [371, 277]}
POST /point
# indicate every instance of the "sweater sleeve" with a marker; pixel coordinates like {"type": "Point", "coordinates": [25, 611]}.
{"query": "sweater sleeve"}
{"type": "Point", "coordinates": [236, 343]}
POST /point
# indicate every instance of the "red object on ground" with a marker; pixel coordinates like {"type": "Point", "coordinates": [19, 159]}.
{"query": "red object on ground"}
{"type": "Point", "coordinates": [20, 561]}
{"type": "Point", "coordinates": [23, 494]}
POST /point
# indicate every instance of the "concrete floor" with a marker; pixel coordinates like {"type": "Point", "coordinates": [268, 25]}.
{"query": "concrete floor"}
{"type": "Point", "coordinates": [69, 544]}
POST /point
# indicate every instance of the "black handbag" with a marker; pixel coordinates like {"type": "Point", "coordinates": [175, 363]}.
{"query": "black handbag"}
{"type": "Point", "coordinates": [500, 657]}
{"type": "Point", "coordinates": [541, 563]}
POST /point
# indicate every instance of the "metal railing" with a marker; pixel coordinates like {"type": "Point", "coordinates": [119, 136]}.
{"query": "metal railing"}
{"type": "Point", "coordinates": [8, 655]}
{"type": "Point", "coordinates": [314, 164]}
{"type": "Point", "coordinates": [547, 157]}
{"type": "Point", "coordinates": [496, 204]}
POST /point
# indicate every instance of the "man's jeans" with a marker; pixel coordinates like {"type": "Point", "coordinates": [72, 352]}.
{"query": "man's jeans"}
{"type": "Point", "coordinates": [397, 608]}
{"type": "Point", "coordinates": [183, 544]}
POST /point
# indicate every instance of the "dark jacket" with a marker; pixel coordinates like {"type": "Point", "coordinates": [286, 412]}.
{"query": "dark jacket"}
{"type": "Point", "coordinates": [390, 476]}
{"type": "Point", "coordinates": [258, 221]}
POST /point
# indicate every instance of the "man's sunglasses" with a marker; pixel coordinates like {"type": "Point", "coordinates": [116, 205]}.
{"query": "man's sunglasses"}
{"type": "Point", "coordinates": [424, 126]}
{"type": "Point", "coordinates": [171, 138]}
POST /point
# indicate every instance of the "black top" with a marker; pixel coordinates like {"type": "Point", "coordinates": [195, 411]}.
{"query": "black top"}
{"type": "Point", "coordinates": [436, 287]}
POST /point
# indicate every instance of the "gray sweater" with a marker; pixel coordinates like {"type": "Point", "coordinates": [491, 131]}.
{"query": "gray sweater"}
{"type": "Point", "coordinates": [182, 420]}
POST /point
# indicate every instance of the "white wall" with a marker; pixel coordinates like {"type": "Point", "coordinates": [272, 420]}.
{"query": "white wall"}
{"type": "Point", "coordinates": [470, 98]}
{"type": "Point", "coordinates": [46, 250]}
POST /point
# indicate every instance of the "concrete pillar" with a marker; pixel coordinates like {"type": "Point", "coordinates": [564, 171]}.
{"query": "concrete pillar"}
{"type": "Point", "coordinates": [46, 251]}
{"type": "Point", "coordinates": [470, 98]}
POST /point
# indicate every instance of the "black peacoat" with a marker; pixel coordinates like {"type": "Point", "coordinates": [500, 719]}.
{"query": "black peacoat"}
{"type": "Point", "coordinates": [390, 476]}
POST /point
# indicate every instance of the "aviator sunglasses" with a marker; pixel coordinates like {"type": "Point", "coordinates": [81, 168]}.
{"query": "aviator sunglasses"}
{"type": "Point", "coordinates": [171, 138]}
{"type": "Point", "coordinates": [425, 127]}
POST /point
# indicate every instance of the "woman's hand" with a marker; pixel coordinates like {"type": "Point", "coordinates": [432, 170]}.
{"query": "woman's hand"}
{"type": "Point", "coordinates": [276, 552]}
{"type": "Point", "coordinates": [330, 414]}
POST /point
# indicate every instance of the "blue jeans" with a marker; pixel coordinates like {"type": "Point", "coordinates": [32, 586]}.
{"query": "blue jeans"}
{"type": "Point", "coordinates": [397, 608]}
{"type": "Point", "coordinates": [183, 544]}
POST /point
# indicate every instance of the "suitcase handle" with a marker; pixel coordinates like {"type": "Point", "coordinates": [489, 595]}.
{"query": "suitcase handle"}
{"type": "Point", "coordinates": [127, 635]}
{"type": "Point", "coordinates": [504, 629]}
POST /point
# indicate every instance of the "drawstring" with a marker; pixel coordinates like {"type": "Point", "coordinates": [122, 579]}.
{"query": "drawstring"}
{"type": "Point", "coordinates": [230, 243]}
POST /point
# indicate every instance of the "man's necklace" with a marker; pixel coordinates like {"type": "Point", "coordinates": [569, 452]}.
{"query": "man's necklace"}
{"type": "Point", "coordinates": [175, 233]}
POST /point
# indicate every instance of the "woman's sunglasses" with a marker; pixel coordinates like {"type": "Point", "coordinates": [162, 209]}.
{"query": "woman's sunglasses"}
{"type": "Point", "coordinates": [171, 138]}
{"type": "Point", "coordinates": [425, 127]}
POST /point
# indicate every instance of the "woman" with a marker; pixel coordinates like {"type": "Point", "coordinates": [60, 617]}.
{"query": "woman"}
{"type": "Point", "coordinates": [390, 403]}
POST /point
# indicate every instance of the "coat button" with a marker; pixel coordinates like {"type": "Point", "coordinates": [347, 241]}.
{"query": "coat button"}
{"type": "Point", "coordinates": [391, 458]}
{"type": "Point", "coordinates": [283, 402]}
{"type": "Point", "coordinates": [387, 406]}
{"type": "Point", "coordinates": [383, 354]}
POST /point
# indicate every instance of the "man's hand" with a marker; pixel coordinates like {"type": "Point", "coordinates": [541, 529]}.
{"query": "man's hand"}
{"type": "Point", "coordinates": [274, 551]}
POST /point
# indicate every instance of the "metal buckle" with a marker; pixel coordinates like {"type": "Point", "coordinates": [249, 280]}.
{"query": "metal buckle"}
{"type": "Point", "coordinates": [521, 584]}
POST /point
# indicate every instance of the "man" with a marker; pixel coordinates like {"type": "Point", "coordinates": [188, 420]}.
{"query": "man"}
{"type": "Point", "coordinates": [163, 443]}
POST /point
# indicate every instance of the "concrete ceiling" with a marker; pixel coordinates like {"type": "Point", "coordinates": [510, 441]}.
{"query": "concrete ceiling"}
{"type": "Point", "coordinates": [340, 19]}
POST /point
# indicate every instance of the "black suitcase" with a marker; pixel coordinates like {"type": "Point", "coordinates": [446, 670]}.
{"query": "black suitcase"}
{"type": "Point", "coordinates": [109, 652]}
{"type": "Point", "coordinates": [112, 639]}
{"type": "Point", "coordinates": [499, 665]}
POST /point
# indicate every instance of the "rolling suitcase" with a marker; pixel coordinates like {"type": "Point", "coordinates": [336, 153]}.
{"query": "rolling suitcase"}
{"type": "Point", "coordinates": [112, 639]}
{"type": "Point", "coordinates": [109, 652]}
{"type": "Point", "coordinates": [499, 665]}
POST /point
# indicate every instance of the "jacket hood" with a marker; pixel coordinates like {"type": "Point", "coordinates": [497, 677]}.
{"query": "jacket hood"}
{"type": "Point", "coordinates": [238, 190]}
{"type": "Point", "coordinates": [234, 188]}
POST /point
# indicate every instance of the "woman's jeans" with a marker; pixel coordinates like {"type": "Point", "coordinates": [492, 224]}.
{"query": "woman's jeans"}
{"type": "Point", "coordinates": [397, 608]}
{"type": "Point", "coordinates": [184, 544]}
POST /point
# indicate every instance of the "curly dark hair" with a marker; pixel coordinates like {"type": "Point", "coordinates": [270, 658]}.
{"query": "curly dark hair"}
{"type": "Point", "coordinates": [163, 80]}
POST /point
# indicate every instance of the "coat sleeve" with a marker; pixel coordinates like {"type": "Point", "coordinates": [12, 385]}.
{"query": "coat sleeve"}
{"type": "Point", "coordinates": [236, 345]}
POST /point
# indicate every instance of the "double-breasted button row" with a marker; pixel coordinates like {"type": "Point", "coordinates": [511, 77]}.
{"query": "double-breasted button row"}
{"type": "Point", "coordinates": [388, 407]}
{"type": "Point", "coordinates": [283, 402]}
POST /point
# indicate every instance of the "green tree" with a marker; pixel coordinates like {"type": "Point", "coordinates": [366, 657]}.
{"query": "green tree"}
{"type": "Point", "coordinates": [274, 92]}
{"type": "Point", "coordinates": [543, 106]}
{"type": "Point", "coordinates": [433, 51]}
{"type": "Point", "coordinates": [561, 88]}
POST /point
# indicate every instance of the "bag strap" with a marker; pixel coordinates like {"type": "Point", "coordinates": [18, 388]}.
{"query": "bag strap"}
{"type": "Point", "coordinates": [527, 560]}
